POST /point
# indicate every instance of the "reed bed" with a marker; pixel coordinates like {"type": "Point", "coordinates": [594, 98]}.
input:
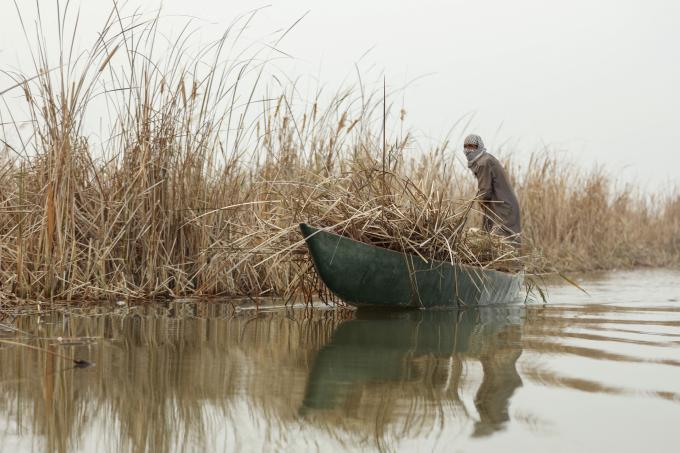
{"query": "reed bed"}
{"type": "Point", "coordinates": [206, 173]}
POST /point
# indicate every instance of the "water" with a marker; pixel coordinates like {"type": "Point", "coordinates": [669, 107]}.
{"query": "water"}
{"type": "Point", "coordinates": [584, 373]}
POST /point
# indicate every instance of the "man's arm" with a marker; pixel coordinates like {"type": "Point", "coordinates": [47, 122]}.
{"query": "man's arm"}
{"type": "Point", "coordinates": [484, 192]}
{"type": "Point", "coordinates": [484, 183]}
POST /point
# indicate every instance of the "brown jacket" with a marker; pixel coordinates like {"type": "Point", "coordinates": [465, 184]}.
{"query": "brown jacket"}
{"type": "Point", "coordinates": [498, 200]}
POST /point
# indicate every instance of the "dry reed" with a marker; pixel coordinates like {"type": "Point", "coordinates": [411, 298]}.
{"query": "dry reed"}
{"type": "Point", "coordinates": [196, 193]}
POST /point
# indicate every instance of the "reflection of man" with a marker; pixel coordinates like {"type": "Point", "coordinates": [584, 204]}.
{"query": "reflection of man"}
{"type": "Point", "coordinates": [495, 194]}
{"type": "Point", "coordinates": [500, 381]}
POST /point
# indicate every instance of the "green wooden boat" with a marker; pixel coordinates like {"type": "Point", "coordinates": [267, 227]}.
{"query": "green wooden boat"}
{"type": "Point", "coordinates": [368, 276]}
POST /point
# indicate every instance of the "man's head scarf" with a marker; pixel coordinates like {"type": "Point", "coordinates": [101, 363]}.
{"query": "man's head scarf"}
{"type": "Point", "coordinates": [473, 154]}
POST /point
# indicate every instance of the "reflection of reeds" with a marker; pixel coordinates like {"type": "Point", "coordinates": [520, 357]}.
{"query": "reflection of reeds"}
{"type": "Point", "coordinates": [170, 378]}
{"type": "Point", "coordinates": [180, 375]}
{"type": "Point", "coordinates": [195, 193]}
{"type": "Point", "coordinates": [162, 374]}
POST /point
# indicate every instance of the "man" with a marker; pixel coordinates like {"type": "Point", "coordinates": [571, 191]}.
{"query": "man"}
{"type": "Point", "coordinates": [499, 202]}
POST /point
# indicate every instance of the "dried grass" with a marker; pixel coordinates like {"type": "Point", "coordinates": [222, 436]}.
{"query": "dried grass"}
{"type": "Point", "coordinates": [195, 194]}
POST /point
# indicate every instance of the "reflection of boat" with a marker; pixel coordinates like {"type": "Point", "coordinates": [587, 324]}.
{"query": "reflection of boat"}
{"type": "Point", "coordinates": [380, 350]}
{"type": "Point", "coordinates": [365, 275]}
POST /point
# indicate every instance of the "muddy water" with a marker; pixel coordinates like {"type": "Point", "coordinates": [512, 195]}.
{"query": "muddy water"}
{"type": "Point", "coordinates": [584, 373]}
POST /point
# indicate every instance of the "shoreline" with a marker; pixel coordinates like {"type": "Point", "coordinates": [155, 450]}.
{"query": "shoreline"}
{"type": "Point", "coordinates": [265, 303]}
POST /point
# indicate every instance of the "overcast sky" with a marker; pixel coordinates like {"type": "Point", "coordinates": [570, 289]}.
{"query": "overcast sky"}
{"type": "Point", "coordinates": [596, 79]}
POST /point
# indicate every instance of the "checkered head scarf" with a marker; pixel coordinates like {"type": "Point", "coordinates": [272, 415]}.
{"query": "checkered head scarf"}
{"type": "Point", "coordinates": [473, 154]}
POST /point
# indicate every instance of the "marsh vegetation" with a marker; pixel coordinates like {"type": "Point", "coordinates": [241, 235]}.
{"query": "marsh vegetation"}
{"type": "Point", "coordinates": [205, 171]}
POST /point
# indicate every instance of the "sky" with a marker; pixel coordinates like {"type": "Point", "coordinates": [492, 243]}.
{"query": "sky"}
{"type": "Point", "coordinates": [597, 81]}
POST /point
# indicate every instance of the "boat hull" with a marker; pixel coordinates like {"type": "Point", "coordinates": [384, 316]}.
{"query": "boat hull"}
{"type": "Point", "coordinates": [367, 276]}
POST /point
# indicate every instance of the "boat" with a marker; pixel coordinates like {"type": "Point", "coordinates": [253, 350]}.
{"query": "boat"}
{"type": "Point", "coordinates": [364, 275]}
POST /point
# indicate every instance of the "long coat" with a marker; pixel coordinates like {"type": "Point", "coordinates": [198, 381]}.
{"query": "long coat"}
{"type": "Point", "coordinates": [498, 200]}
